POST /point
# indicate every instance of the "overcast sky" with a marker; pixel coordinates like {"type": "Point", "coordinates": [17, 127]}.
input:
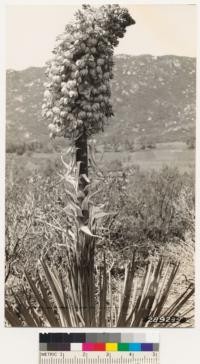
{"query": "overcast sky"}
{"type": "Point", "coordinates": [159, 30]}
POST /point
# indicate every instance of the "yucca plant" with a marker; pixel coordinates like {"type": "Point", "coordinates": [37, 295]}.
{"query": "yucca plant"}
{"type": "Point", "coordinates": [57, 299]}
{"type": "Point", "coordinates": [77, 102]}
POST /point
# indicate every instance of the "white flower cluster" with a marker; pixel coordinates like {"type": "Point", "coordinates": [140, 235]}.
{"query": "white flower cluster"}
{"type": "Point", "coordinates": [78, 92]}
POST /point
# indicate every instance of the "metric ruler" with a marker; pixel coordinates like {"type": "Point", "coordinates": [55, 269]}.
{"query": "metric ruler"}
{"type": "Point", "coordinates": [69, 357]}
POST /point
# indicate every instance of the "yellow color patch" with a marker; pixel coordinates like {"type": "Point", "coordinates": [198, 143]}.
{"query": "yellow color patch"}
{"type": "Point", "coordinates": [111, 347]}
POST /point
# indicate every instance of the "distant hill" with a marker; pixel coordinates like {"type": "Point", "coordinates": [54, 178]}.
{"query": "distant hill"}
{"type": "Point", "coordinates": [153, 99]}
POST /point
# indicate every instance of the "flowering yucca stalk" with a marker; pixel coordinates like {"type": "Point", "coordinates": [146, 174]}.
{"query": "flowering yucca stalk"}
{"type": "Point", "coordinates": [77, 95]}
{"type": "Point", "coordinates": [77, 102]}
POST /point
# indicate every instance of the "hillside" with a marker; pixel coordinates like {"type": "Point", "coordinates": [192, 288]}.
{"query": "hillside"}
{"type": "Point", "coordinates": [153, 99]}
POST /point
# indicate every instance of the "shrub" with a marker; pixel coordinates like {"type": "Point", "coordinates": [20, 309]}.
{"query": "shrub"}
{"type": "Point", "coordinates": [129, 144]}
{"type": "Point", "coordinates": [191, 143]}
{"type": "Point", "coordinates": [22, 147]}
{"type": "Point", "coordinates": [152, 208]}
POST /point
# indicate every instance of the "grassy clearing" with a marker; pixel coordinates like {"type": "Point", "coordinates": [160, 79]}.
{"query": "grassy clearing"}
{"type": "Point", "coordinates": [172, 154]}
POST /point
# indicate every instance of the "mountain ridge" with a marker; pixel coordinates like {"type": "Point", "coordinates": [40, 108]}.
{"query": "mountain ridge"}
{"type": "Point", "coordinates": [153, 98]}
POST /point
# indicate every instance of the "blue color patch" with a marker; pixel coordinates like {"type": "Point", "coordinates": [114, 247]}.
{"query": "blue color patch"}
{"type": "Point", "coordinates": [134, 347]}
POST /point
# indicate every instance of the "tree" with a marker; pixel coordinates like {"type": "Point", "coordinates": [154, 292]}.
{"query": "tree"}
{"type": "Point", "coordinates": [77, 95]}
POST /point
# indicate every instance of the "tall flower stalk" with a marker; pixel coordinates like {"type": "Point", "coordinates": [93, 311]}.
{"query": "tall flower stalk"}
{"type": "Point", "coordinates": [77, 102]}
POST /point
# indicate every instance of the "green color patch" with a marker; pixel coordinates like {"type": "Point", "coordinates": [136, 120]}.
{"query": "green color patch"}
{"type": "Point", "coordinates": [123, 347]}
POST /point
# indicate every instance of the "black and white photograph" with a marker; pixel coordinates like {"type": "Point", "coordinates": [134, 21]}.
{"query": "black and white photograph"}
{"type": "Point", "coordinates": [100, 165]}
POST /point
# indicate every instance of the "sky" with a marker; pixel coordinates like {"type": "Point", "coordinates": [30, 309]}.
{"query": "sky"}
{"type": "Point", "coordinates": [160, 29]}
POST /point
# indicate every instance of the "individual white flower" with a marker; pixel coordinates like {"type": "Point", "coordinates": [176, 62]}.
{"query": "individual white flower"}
{"type": "Point", "coordinates": [80, 63]}
{"type": "Point", "coordinates": [63, 114]}
{"type": "Point", "coordinates": [84, 72]}
{"type": "Point", "coordinates": [71, 84]}
{"type": "Point", "coordinates": [93, 41]}
{"type": "Point", "coordinates": [73, 67]}
{"type": "Point", "coordinates": [68, 37]}
{"type": "Point", "coordinates": [64, 84]}
{"type": "Point", "coordinates": [100, 61]}
{"type": "Point", "coordinates": [59, 132]}
{"type": "Point", "coordinates": [56, 110]}
{"type": "Point", "coordinates": [65, 100]}
{"type": "Point", "coordinates": [73, 75]}
{"type": "Point", "coordinates": [68, 55]}
{"type": "Point", "coordinates": [96, 116]}
{"type": "Point", "coordinates": [47, 94]}
{"type": "Point", "coordinates": [65, 91]}
{"type": "Point", "coordinates": [95, 106]}
{"type": "Point", "coordinates": [79, 122]}
{"type": "Point", "coordinates": [55, 70]}
{"type": "Point", "coordinates": [70, 117]}
{"type": "Point", "coordinates": [92, 72]}
{"type": "Point", "coordinates": [44, 106]}
{"type": "Point", "coordinates": [56, 79]}
{"type": "Point", "coordinates": [77, 73]}
{"type": "Point", "coordinates": [77, 35]}
{"type": "Point", "coordinates": [59, 58]}
{"type": "Point", "coordinates": [66, 62]}
{"type": "Point", "coordinates": [73, 94]}
{"type": "Point", "coordinates": [52, 127]}
{"type": "Point", "coordinates": [47, 84]}
{"type": "Point", "coordinates": [99, 97]}
{"type": "Point", "coordinates": [82, 46]}
{"type": "Point", "coordinates": [106, 75]}
{"type": "Point", "coordinates": [49, 114]}
{"type": "Point", "coordinates": [89, 114]}
{"type": "Point", "coordinates": [99, 70]}
{"type": "Point", "coordinates": [91, 58]}
{"type": "Point", "coordinates": [82, 114]}
{"type": "Point", "coordinates": [103, 88]}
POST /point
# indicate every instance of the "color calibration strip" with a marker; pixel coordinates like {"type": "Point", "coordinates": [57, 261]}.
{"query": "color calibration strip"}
{"type": "Point", "coordinates": [99, 342]}
{"type": "Point", "coordinates": [99, 348]}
